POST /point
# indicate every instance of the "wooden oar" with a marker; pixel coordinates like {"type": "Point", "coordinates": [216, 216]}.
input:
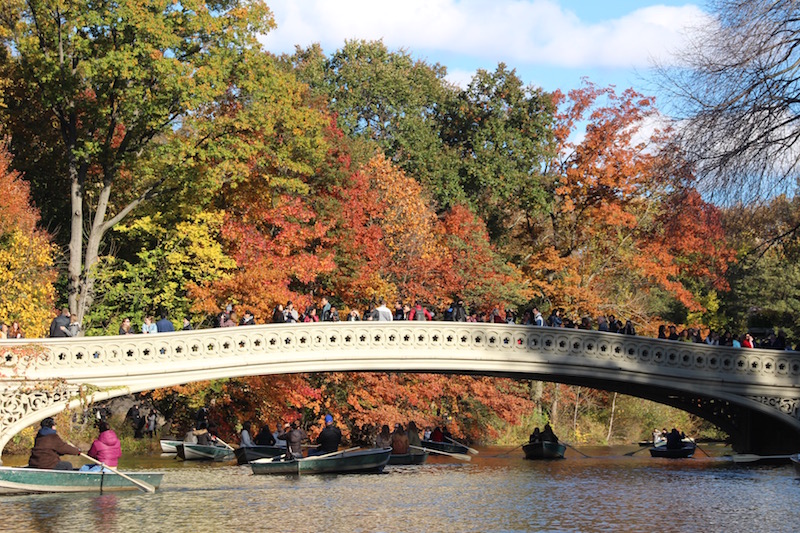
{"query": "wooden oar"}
{"type": "Point", "coordinates": [751, 457]}
{"type": "Point", "coordinates": [509, 451]}
{"type": "Point", "coordinates": [473, 451]}
{"type": "Point", "coordinates": [461, 456]}
{"type": "Point", "coordinates": [224, 443]}
{"type": "Point", "coordinates": [147, 487]}
{"type": "Point", "coordinates": [337, 452]}
{"type": "Point", "coordinates": [571, 447]}
{"type": "Point", "coordinates": [631, 454]}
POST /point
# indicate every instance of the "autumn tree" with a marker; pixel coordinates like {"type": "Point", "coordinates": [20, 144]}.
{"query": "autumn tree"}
{"type": "Point", "coordinates": [622, 207]}
{"type": "Point", "coordinates": [26, 256]}
{"type": "Point", "coordinates": [111, 82]}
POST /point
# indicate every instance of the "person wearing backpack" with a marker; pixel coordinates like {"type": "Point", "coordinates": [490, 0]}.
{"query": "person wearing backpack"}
{"type": "Point", "coordinates": [419, 313]}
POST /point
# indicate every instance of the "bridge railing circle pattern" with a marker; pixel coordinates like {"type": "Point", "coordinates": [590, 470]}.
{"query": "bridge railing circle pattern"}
{"type": "Point", "coordinates": [447, 339]}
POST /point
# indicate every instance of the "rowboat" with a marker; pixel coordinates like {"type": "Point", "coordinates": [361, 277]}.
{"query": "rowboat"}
{"type": "Point", "coordinates": [408, 458]}
{"type": "Point", "coordinates": [450, 447]}
{"type": "Point", "coordinates": [170, 446]}
{"type": "Point", "coordinates": [345, 462]}
{"type": "Point", "coordinates": [544, 450]}
{"type": "Point", "coordinates": [796, 463]}
{"type": "Point", "coordinates": [687, 450]}
{"type": "Point", "coordinates": [245, 455]}
{"type": "Point", "coordinates": [199, 452]}
{"type": "Point", "coordinates": [36, 480]}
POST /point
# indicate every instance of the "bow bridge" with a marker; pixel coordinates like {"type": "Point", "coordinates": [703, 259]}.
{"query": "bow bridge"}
{"type": "Point", "coordinates": [752, 394]}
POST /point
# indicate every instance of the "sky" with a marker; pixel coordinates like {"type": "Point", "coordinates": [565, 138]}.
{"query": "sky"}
{"type": "Point", "coordinates": [552, 44]}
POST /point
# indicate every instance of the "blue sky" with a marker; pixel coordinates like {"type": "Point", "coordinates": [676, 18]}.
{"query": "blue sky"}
{"type": "Point", "coordinates": [551, 43]}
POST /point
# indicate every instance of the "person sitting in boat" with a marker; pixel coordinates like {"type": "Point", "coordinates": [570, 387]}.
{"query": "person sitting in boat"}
{"type": "Point", "coordinates": [329, 438]}
{"type": "Point", "coordinates": [265, 437]}
{"type": "Point", "coordinates": [384, 438]}
{"type": "Point", "coordinates": [548, 435]}
{"type": "Point", "coordinates": [413, 437]}
{"type": "Point", "coordinates": [244, 436]}
{"type": "Point", "coordinates": [399, 440]}
{"type": "Point", "coordinates": [294, 437]}
{"type": "Point", "coordinates": [106, 448]}
{"type": "Point", "coordinates": [437, 435]}
{"type": "Point", "coordinates": [536, 436]}
{"type": "Point", "coordinates": [204, 438]}
{"type": "Point", "coordinates": [190, 437]}
{"type": "Point", "coordinates": [674, 440]}
{"type": "Point", "coordinates": [48, 448]}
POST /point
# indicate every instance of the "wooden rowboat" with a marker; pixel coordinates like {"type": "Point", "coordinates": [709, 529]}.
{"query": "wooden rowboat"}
{"type": "Point", "coordinates": [408, 458]}
{"type": "Point", "coordinates": [796, 464]}
{"type": "Point", "coordinates": [36, 480]}
{"type": "Point", "coordinates": [170, 446]}
{"type": "Point", "coordinates": [345, 462]}
{"type": "Point", "coordinates": [199, 452]}
{"type": "Point", "coordinates": [544, 450]}
{"type": "Point", "coordinates": [449, 447]}
{"type": "Point", "coordinates": [685, 451]}
{"type": "Point", "coordinates": [246, 455]}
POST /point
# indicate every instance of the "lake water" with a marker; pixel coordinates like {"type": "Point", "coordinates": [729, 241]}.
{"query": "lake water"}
{"type": "Point", "coordinates": [495, 492]}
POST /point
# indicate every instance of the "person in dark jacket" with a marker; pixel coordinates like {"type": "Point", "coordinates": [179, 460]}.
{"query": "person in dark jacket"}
{"type": "Point", "coordinates": [294, 437]}
{"type": "Point", "coordinates": [265, 437]}
{"type": "Point", "coordinates": [328, 439]}
{"type": "Point", "coordinates": [60, 324]}
{"type": "Point", "coordinates": [48, 448]}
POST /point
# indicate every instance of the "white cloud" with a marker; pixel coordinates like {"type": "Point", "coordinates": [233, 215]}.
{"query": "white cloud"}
{"type": "Point", "coordinates": [524, 32]}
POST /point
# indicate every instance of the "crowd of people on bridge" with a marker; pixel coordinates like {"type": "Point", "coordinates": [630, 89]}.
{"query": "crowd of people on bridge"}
{"type": "Point", "coordinates": [63, 325]}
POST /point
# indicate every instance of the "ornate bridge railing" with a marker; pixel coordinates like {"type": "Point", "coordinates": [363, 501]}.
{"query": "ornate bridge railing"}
{"type": "Point", "coordinates": [43, 376]}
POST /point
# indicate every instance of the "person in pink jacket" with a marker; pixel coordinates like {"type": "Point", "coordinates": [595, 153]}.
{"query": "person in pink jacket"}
{"type": "Point", "coordinates": [105, 448]}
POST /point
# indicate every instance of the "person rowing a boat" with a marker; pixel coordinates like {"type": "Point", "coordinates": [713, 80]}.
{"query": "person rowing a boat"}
{"type": "Point", "coordinates": [536, 436]}
{"type": "Point", "coordinates": [399, 440]}
{"type": "Point", "coordinates": [413, 438]}
{"type": "Point", "coordinates": [674, 440]}
{"type": "Point", "coordinates": [548, 435]}
{"type": "Point", "coordinates": [329, 438]}
{"type": "Point", "coordinates": [294, 437]}
{"type": "Point", "coordinates": [48, 448]}
{"type": "Point", "coordinates": [106, 448]}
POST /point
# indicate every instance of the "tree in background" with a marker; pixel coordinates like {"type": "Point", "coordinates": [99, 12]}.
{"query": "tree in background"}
{"type": "Point", "coordinates": [26, 256]}
{"type": "Point", "coordinates": [111, 82]}
{"type": "Point", "coordinates": [735, 96]}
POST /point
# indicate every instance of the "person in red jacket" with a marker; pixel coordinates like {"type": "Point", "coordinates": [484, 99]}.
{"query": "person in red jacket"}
{"type": "Point", "coordinates": [106, 448]}
{"type": "Point", "coordinates": [48, 448]}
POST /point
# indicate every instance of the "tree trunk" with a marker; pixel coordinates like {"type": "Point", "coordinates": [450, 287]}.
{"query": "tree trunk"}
{"type": "Point", "coordinates": [611, 420]}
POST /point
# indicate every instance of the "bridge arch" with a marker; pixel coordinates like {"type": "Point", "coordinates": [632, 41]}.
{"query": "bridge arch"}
{"type": "Point", "coordinates": [752, 394]}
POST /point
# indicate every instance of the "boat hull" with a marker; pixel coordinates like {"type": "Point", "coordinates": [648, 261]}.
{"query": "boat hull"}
{"type": "Point", "coordinates": [356, 462]}
{"type": "Point", "coordinates": [448, 447]}
{"type": "Point", "coordinates": [544, 450]}
{"type": "Point", "coordinates": [408, 458]}
{"type": "Point", "coordinates": [686, 451]}
{"type": "Point", "coordinates": [245, 455]}
{"type": "Point", "coordinates": [35, 480]}
{"type": "Point", "coordinates": [170, 446]}
{"type": "Point", "coordinates": [199, 452]}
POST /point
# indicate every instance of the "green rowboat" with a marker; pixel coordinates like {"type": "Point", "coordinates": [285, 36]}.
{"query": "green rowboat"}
{"type": "Point", "coordinates": [199, 452]}
{"type": "Point", "coordinates": [449, 447]}
{"type": "Point", "coordinates": [544, 450]}
{"type": "Point", "coordinates": [344, 462]}
{"type": "Point", "coordinates": [408, 458]}
{"type": "Point", "coordinates": [170, 446]}
{"type": "Point", "coordinates": [35, 480]}
{"type": "Point", "coordinates": [246, 455]}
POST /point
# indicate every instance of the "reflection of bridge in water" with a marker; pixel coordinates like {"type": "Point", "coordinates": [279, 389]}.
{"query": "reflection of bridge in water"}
{"type": "Point", "coordinates": [752, 394]}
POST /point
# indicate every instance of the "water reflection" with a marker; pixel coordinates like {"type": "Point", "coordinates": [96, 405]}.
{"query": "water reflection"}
{"type": "Point", "coordinates": [607, 492]}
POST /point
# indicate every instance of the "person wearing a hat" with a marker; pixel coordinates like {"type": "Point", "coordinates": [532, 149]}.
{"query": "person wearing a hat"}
{"type": "Point", "coordinates": [48, 448]}
{"type": "Point", "coordinates": [328, 439]}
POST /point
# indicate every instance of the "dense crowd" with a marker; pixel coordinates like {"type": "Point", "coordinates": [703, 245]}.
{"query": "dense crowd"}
{"type": "Point", "coordinates": [65, 326]}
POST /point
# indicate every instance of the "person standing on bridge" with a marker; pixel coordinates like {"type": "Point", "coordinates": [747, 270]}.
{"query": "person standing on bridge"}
{"type": "Point", "coordinates": [60, 324]}
{"type": "Point", "coordinates": [164, 325]}
{"type": "Point", "coordinates": [419, 313]}
{"type": "Point", "coordinates": [384, 313]}
{"type": "Point", "coordinates": [538, 320]}
{"type": "Point", "coordinates": [48, 448]}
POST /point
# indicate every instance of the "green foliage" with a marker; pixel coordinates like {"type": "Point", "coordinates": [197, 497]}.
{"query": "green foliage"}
{"type": "Point", "coordinates": [169, 258]}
